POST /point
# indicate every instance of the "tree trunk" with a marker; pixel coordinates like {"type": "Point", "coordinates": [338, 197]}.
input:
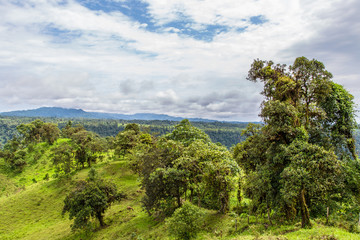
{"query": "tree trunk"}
{"type": "Point", "coordinates": [327, 215]}
{"type": "Point", "coordinates": [199, 200]}
{"type": "Point", "coordinates": [305, 217]}
{"type": "Point", "coordinates": [100, 217]}
{"type": "Point", "coordinates": [178, 197]}
{"type": "Point", "coordinates": [268, 213]}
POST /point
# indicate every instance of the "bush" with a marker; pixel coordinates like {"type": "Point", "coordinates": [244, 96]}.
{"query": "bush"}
{"type": "Point", "coordinates": [185, 222]}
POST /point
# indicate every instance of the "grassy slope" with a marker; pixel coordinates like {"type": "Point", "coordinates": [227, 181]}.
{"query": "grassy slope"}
{"type": "Point", "coordinates": [30, 210]}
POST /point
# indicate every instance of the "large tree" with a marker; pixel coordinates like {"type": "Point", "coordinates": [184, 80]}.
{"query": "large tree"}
{"type": "Point", "coordinates": [290, 161]}
{"type": "Point", "coordinates": [90, 199]}
{"type": "Point", "coordinates": [186, 165]}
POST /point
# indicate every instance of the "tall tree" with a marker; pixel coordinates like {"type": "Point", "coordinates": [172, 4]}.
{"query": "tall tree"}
{"type": "Point", "coordinates": [306, 116]}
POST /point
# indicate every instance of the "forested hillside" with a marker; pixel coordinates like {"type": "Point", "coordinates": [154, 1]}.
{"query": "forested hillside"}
{"type": "Point", "coordinates": [296, 176]}
{"type": "Point", "coordinates": [228, 134]}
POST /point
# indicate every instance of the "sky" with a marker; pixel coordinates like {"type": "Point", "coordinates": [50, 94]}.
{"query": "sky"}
{"type": "Point", "coordinates": [186, 58]}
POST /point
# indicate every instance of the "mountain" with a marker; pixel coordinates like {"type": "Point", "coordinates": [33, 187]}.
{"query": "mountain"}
{"type": "Point", "coordinates": [79, 113]}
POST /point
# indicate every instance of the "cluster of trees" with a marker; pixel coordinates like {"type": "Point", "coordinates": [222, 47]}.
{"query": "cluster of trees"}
{"type": "Point", "coordinates": [78, 148]}
{"type": "Point", "coordinates": [29, 134]}
{"type": "Point", "coordinates": [299, 160]}
{"type": "Point", "coordinates": [183, 165]}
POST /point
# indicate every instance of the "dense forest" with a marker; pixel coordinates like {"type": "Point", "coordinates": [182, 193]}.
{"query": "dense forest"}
{"type": "Point", "coordinates": [296, 176]}
{"type": "Point", "coordinates": [226, 133]}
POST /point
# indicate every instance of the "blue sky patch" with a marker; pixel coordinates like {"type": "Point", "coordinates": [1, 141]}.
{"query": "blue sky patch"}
{"type": "Point", "coordinates": [60, 35]}
{"type": "Point", "coordinates": [137, 10]}
{"type": "Point", "coordinates": [134, 9]}
{"type": "Point", "coordinates": [258, 20]}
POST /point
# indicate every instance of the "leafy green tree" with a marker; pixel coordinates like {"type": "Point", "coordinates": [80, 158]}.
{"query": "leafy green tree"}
{"type": "Point", "coordinates": [86, 145]}
{"type": "Point", "coordinates": [186, 221]}
{"type": "Point", "coordinates": [163, 184]}
{"type": "Point", "coordinates": [174, 167]}
{"type": "Point", "coordinates": [308, 175]}
{"type": "Point", "coordinates": [14, 154]}
{"type": "Point", "coordinates": [38, 131]}
{"type": "Point", "coordinates": [127, 139]}
{"type": "Point", "coordinates": [340, 120]}
{"type": "Point", "coordinates": [132, 127]}
{"type": "Point", "coordinates": [71, 129]}
{"type": "Point", "coordinates": [185, 133]}
{"type": "Point", "coordinates": [306, 116]}
{"type": "Point", "coordinates": [62, 155]}
{"type": "Point", "coordinates": [89, 200]}
{"type": "Point", "coordinates": [31, 132]}
{"type": "Point", "coordinates": [49, 133]}
{"type": "Point", "coordinates": [210, 175]}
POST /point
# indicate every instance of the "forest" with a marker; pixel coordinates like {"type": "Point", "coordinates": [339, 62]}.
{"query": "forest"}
{"type": "Point", "coordinates": [294, 176]}
{"type": "Point", "coordinates": [226, 133]}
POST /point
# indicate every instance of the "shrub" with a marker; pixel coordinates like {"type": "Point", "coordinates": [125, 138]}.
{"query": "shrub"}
{"type": "Point", "coordinates": [185, 222]}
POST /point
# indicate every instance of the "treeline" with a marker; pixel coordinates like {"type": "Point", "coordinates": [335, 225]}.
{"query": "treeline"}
{"type": "Point", "coordinates": [228, 134]}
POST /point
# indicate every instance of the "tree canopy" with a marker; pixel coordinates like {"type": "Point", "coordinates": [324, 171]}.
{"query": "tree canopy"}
{"type": "Point", "coordinates": [90, 199]}
{"type": "Point", "coordinates": [295, 157]}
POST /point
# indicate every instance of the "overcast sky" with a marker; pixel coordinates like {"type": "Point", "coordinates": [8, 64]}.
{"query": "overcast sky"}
{"type": "Point", "coordinates": [186, 58]}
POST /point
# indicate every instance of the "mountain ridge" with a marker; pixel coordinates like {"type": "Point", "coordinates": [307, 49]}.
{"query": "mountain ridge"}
{"type": "Point", "coordinates": [59, 112]}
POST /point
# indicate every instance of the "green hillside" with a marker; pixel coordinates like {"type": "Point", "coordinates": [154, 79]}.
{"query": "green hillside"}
{"type": "Point", "coordinates": [33, 211]}
{"type": "Point", "coordinates": [32, 197]}
{"type": "Point", "coordinates": [296, 176]}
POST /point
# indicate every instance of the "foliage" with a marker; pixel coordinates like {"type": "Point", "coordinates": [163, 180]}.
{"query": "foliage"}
{"type": "Point", "coordinates": [129, 138]}
{"type": "Point", "coordinates": [185, 133]}
{"type": "Point", "coordinates": [31, 211]}
{"type": "Point", "coordinates": [163, 184]}
{"type": "Point", "coordinates": [62, 155]}
{"type": "Point", "coordinates": [90, 199]}
{"type": "Point", "coordinates": [86, 145]}
{"type": "Point", "coordinates": [226, 133]}
{"type": "Point", "coordinates": [176, 168]}
{"type": "Point", "coordinates": [290, 162]}
{"type": "Point", "coordinates": [38, 131]}
{"type": "Point", "coordinates": [186, 221]}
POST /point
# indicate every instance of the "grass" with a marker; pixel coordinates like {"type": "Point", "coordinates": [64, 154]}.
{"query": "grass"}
{"type": "Point", "coordinates": [32, 210]}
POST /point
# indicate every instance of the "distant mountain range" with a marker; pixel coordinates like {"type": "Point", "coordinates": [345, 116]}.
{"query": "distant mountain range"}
{"type": "Point", "coordinates": [79, 113]}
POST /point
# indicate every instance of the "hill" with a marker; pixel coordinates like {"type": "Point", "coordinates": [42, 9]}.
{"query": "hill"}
{"type": "Point", "coordinates": [31, 205]}
{"type": "Point", "coordinates": [79, 113]}
{"type": "Point", "coordinates": [43, 166]}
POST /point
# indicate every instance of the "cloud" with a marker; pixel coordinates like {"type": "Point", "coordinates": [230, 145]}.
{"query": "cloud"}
{"type": "Point", "coordinates": [186, 58]}
{"type": "Point", "coordinates": [168, 97]}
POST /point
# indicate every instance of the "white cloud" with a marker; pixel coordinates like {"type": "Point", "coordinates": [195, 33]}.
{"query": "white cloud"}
{"type": "Point", "coordinates": [70, 56]}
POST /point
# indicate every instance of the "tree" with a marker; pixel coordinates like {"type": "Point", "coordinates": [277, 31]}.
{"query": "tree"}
{"type": "Point", "coordinates": [306, 116]}
{"type": "Point", "coordinates": [210, 174]}
{"type": "Point", "coordinates": [163, 183]}
{"type": "Point", "coordinates": [90, 199]}
{"type": "Point", "coordinates": [62, 155]}
{"type": "Point", "coordinates": [308, 175]}
{"type": "Point", "coordinates": [185, 162]}
{"type": "Point", "coordinates": [30, 132]}
{"type": "Point", "coordinates": [86, 145]}
{"type": "Point", "coordinates": [127, 139]}
{"type": "Point", "coordinates": [185, 222]}
{"type": "Point", "coordinates": [185, 133]}
{"type": "Point", "coordinates": [38, 131]}
{"type": "Point", "coordinates": [14, 154]}
{"type": "Point", "coordinates": [49, 133]}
